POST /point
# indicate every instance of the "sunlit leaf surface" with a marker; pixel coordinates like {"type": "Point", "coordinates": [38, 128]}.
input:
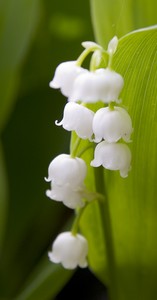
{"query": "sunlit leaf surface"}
{"type": "Point", "coordinates": [132, 201]}
{"type": "Point", "coordinates": [118, 17]}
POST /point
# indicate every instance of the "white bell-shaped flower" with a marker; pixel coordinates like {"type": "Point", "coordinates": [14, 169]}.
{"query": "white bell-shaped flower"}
{"type": "Point", "coordinates": [113, 156]}
{"type": "Point", "coordinates": [65, 75]}
{"type": "Point", "coordinates": [69, 250]}
{"type": "Point", "coordinates": [112, 125]}
{"type": "Point", "coordinates": [71, 198]}
{"type": "Point", "coordinates": [64, 169]}
{"type": "Point", "coordinates": [79, 119]}
{"type": "Point", "coordinates": [101, 85]}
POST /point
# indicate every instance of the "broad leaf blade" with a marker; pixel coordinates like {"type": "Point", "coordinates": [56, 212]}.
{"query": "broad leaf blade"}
{"type": "Point", "coordinates": [132, 201]}
{"type": "Point", "coordinates": [118, 17]}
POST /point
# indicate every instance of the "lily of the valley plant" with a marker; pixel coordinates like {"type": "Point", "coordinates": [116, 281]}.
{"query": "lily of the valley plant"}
{"type": "Point", "coordinates": [108, 131]}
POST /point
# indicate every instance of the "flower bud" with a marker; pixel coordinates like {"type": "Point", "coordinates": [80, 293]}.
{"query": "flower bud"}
{"type": "Point", "coordinates": [112, 125]}
{"type": "Point", "coordinates": [79, 119]}
{"type": "Point", "coordinates": [113, 156]}
{"type": "Point", "coordinates": [65, 75]}
{"type": "Point", "coordinates": [112, 46]}
{"type": "Point", "coordinates": [100, 85]}
{"type": "Point", "coordinates": [69, 250]}
{"type": "Point", "coordinates": [64, 169]}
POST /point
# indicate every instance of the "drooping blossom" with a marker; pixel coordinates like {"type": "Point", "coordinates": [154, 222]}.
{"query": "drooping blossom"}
{"type": "Point", "coordinates": [112, 125]}
{"type": "Point", "coordinates": [65, 75]}
{"type": "Point", "coordinates": [113, 156]}
{"type": "Point", "coordinates": [101, 85]}
{"type": "Point", "coordinates": [69, 250]}
{"type": "Point", "coordinates": [65, 169]}
{"type": "Point", "coordinates": [79, 119]}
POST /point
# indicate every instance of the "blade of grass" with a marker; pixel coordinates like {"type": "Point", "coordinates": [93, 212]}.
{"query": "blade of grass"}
{"type": "Point", "coordinates": [45, 282]}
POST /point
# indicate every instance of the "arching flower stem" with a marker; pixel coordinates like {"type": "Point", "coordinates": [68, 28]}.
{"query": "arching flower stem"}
{"type": "Point", "coordinates": [85, 149]}
{"type": "Point", "coordinates": [75, 152]}
{"type": "Point", "coordinates": [83, 56]}
{"type": "Point", "coordinates": [85, 53]}
{"type": "Point", "coordinates": [111, 105]}
{"type": "Point", "coordinates": [110, 61]}
{"type": "Point", "coordinates": [75, 148]}
{"type": "Point", "coordinates": [75, 226]}
{"type": "Point", "coordinates": [79, 212]}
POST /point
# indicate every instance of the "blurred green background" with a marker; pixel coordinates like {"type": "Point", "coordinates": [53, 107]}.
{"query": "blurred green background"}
{"type": "Point", "coordinates": [35, 36]}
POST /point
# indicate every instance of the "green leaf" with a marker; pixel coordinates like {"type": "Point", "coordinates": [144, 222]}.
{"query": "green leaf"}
{"type": "Point", "coordinates": [46, 281]}
{"type": "Point", "coordinates": [132, 201]}
{"type": "Point", "coordinates": [18, 22]}
{"type": "Point", "coordinates": [118, 17]}
{"type": "Point", "coordinates": [128, 244]}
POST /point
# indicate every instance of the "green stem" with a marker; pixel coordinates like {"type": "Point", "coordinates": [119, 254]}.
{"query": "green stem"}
{"type": "Point", "coordinates": [75, 225]}
{"type": "Point", "coordinates": [84, 150]}
{"type": "Point", "coordinates": [110, 62]}
{"type": "Point", "coordinates": [93, 61]}
{"type": "Point", "coordinates": [106, 223]}
{"type": "Point", "coordinates": [84, 54]}
{"type": "Point", "coordinates": [75, 148]}
{"type": "Point", "coordinates": [111, 105]}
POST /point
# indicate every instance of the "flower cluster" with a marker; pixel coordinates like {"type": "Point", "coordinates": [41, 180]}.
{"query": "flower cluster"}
{"type": "Point", "coordinates": [109, 128]}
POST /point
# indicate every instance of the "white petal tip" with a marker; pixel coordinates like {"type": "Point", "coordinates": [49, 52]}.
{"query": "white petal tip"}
{"type": "Point", "coordinates": [124, 173]}
{"type": "Point", "coordinates": [52, 258]}
{"type": "Point", "coordinates": [58, 123]}
{"type": "Point", "coordinates": [97, 140]}
{"type": "Point", "coordinates": [47, 179]}
{"type": "Point", "coordinates": [48, 193]}
{"type": "Point", "coordinates": [83, 265]}
{"type": "Point", "coordinates": [94, 164]}
{"type": "Point", "coordinates": [53, 85]}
